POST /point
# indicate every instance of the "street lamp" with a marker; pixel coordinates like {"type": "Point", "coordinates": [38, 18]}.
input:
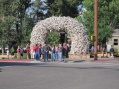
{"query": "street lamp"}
{"type": "Point", "coordinates": [95, 28]}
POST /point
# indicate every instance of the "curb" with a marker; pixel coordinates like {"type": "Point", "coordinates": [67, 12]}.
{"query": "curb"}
{"type": "Point", "coordinates": [11, 60]}
{"type": "Point", "coordinates": [66, 61]}
{"type": "Point", "coordinates": [104, 60]}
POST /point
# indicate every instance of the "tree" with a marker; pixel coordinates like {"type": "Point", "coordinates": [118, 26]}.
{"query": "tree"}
{"type": "Point", "coordinates": [12, 14]}
{"type": "Point", "coordinates": [62, 7]}
{"type": "Point", "coordinates": [39, 9]}
{"type": "Point", "coordinates": [107, 18]}
{"type": "Point", "coordinates": [53, 37]}
{"type": "Point", "coordinates": [47, 8]}
{"type": "Point", "coordinates": [27, 25]}
{"type": "Point", "coordinates": [12, 21]}
{"type": "Point", "coordinates": [21, 13]}
{"type": "Point", "coordinates": [7, 18]}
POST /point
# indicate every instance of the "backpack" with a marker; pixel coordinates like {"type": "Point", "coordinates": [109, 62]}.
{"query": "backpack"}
{"type": "Point", "coordinates": [53, 50]}
{"type": "Point", "coordinates": [21, 50]}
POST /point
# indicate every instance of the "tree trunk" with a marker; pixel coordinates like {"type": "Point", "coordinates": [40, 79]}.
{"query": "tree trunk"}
{"type": "Point", "coordinates": [3, 50]}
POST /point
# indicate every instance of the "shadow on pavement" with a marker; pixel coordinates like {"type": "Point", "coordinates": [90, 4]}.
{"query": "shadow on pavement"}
{"type": "Point", "coordinates": [0, 70]}
{"type": "Point", "coordinates": [50, 65]}
{"type": "Point", "coordinates": [19, 64]}
{"type": "Point", "coordinates": [78, 61]}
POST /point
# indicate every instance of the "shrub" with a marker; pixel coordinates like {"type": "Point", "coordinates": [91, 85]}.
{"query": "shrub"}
{"type": "Point", "coordinates": [53, 37]}
{"type": "Point", "coordinates": [115, 51]}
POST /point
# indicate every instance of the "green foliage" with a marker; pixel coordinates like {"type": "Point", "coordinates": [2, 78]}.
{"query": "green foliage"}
{"type": "Point", "coordinates": [27, 26]}
{"type": "Point", "coordinates": [53, 37]}
{"type": "Point", "coordinates": [7, 13]}
{"type": "Point", "coordinates": [12, 13]}
{"type": "Point", "coordinates": [12, 50]}
{"type": "Point", "coordinates": [108, 17]}
{"type": "Point", "coordinates": [57, 8]}
{"type": "Point", "coordinates": [21, 14]}
{"type": "Point", "coordinates": [116, 51]}
{"type": "Point", "coordinates": [8, 7]}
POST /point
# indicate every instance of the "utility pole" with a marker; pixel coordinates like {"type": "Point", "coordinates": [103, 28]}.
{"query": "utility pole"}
{"type": "Point", "coordinates": [95, 28]}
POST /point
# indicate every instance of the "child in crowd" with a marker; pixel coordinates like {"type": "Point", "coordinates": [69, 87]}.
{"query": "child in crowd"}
{"type": "Point", "coordinates": [7, 53]}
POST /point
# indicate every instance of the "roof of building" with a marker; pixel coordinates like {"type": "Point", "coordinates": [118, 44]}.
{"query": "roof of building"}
{"type": "Point", "coordinates": [116, 32]}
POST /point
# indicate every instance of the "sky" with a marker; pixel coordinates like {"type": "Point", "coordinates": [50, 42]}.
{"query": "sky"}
{"type": "Point", "coordinates": [32, 0]}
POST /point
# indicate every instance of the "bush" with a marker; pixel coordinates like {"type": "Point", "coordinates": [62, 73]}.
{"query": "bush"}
{"type": "Point", "coordinates": [53, 37]}
{"type": "Point", "coordinates": [115, 51]}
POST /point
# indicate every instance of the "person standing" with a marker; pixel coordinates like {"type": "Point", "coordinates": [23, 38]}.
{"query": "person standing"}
{"type": "Point", "coordinates": [32, 52]}
{"type": "Point", "coordinates": [45, 52]}
{"type": "Point", "coordinates": [92, 49]}
{"type": "Point", "coordinates": [21, 52]}
{"type": "Point", "coordinates": [7, 53]}
{"type": "Point", "coordinates": [111, 52]}
{"type": "Point", "coordinates": [39, 52]}
{"type": "Point", "coordinates": [53, 53]}
{"type": "Point", "coordinates": [28, 51]}
{"type": "Point", "coordinates": [56, 52]}
{"type": "Point", "coordinates": [49, 50]}
{"type": "Point", "coordinates": [104, 51]}
{"type": "Point", "coordinates": [18, 52]}
{"type": "Point", "coordinates": [66, 50]}
{"type": "Point", "coordinates": [36, 52]}
{"type": "Point", "coordinates": [60, 53]}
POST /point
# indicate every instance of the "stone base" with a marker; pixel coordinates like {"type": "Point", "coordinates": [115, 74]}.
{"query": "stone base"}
{"type": "Point", "coordinates": [80, 56]}
{"type": "Point", "coordinates": [101, 55]}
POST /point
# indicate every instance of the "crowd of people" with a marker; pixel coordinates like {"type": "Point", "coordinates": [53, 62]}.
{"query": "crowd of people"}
{"type": "Point", "coordinates": [104, 51]}
{"type": "Point", "coordinates": [56, 52]}
{"type": "Point", "coordinates": [38, 52]}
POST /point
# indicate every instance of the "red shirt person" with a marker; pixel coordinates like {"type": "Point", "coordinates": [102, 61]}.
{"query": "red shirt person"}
{"type": "Point", "coordinates": [36, 56]}
{"type": "Point", "coordinates": [35, 48]}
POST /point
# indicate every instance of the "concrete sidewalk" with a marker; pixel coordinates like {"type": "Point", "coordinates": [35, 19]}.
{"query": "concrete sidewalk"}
{"type": "Point", "coordinates": [65, 60]}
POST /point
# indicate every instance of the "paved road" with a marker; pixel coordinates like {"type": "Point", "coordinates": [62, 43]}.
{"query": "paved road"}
{"type": "Point", "coordinates": [78, 75]}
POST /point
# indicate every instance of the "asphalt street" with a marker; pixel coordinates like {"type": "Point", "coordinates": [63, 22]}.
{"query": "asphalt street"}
{"type": "Point", "coordinates": [60, 75]}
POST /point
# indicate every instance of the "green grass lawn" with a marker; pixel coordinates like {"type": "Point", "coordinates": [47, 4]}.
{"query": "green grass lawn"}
{"type": "Point", "coordinates": [24, 56]}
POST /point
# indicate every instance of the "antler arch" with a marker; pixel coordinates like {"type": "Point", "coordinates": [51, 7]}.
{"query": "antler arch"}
{"type": "Point", "coordinates": [75, 29]}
